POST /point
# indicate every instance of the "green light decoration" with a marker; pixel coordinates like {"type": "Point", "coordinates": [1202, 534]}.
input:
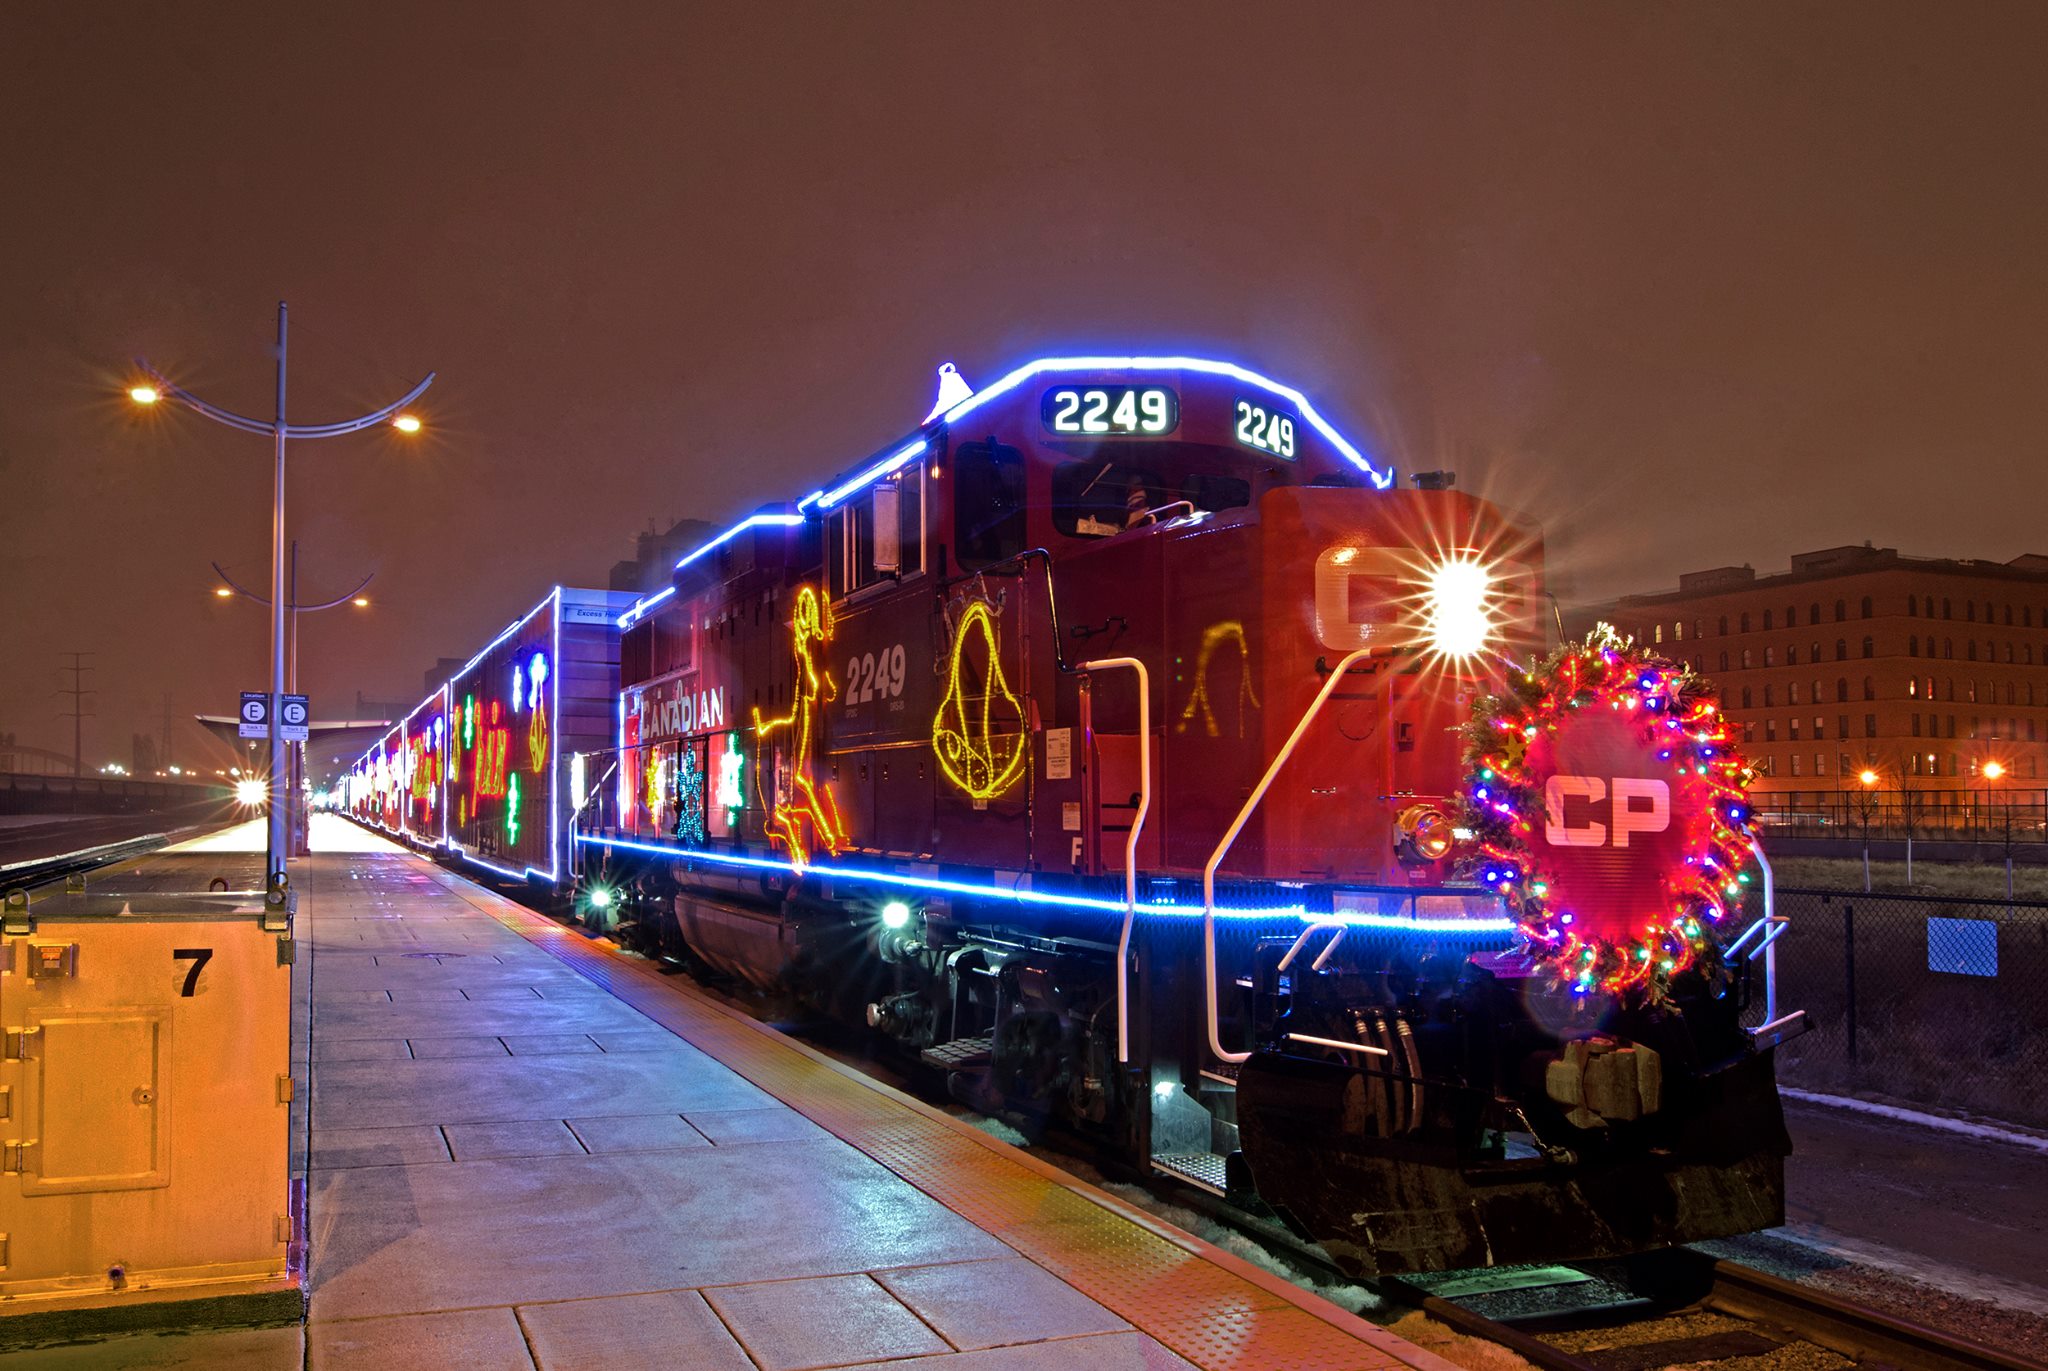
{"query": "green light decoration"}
{"type": "Point", "coordinates": [690, 797]}
{"type": "Point", "coordinates": [731, 763]}
{"type": "Point", "coordinates": [512, 808]}
{"type": "Point", "coordinates": [469, 721]}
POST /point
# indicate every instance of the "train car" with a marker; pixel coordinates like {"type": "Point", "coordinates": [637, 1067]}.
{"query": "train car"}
{"type": "Point", "coordinates": [423, 773]}
{"type": "Point", "coordinates": [1102, 743]}
{"type": "Point", "coordinates": [544, 690]}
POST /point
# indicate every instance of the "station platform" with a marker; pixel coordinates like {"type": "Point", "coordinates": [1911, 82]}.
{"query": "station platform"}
{"type": "Point", "coordinates": [529, 1150]}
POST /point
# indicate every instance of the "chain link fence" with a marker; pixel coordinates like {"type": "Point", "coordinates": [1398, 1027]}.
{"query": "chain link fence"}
{"type": "Point", "coordinates": [1939, 1001]}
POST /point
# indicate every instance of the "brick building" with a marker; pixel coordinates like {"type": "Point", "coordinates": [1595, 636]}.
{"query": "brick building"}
{"type": "Point", "coordinates": [1925, 671]}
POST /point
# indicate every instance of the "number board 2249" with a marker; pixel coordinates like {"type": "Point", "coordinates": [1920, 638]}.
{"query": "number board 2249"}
{"type": "Point", "coordinates": [1260, 425]}
{"type": "Point", "coordinates": [1117, 411]}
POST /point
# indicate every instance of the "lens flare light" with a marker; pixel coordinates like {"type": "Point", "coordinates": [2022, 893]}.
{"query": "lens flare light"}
{"type": "Point", "coordinates": [1457, 607]}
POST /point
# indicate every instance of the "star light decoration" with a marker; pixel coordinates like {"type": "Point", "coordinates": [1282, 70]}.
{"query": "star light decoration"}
{"type": "Point", "coordinates": [1681, 721]}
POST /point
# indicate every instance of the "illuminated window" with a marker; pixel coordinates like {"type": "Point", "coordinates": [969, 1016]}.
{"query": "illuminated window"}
{"type": "Point", "coordinates": [1770, 730]}
{"type": "Point", "coordinates": [1745, 659]}
{"type": "Point", "coordinates": [1912, 687]}
{"type": "Point", "coordinates": [1792, 693]}
{"type": "Point", "coordinates": [1795, 760]}
{"type": "Point", "coordinates": [1770, 656]}
{"type": "Point", "coordinates": [1678, 631]}
{"type": "Point", "coordinates": [1793, 728]}
{"type": "Point", "coordinates": [1792, 655]}
{"type": "Point", "coordinates": [1820, 728]}
{"type": "Point", "coordinates": [1659, 633]}
{"type": "Point", "coordinates": [988, 504]}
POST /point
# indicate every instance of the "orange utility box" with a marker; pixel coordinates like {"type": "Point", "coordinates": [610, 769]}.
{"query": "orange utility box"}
{"type": "Point", "coordinates": [145, 1101]}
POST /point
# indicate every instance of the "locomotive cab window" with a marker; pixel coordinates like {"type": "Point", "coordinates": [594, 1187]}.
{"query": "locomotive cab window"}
{"type": "Point", "coordinates": [988, 504]}
{"type": "Point", "coordinates": [1099, 499]}
{"type": "Point", "coordinates": [879, 534]}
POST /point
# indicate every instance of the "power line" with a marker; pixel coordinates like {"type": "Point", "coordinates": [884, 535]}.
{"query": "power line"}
{"type": "Point", "coordinates": [77, 713]}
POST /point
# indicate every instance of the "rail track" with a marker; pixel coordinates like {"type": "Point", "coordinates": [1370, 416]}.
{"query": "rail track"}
{"type": "Point", "coordinates": [1686, 1308]}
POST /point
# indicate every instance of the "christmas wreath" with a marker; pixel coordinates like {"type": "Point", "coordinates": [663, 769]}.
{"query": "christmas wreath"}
{"type": "Point", "coordinates": [1610, 811]}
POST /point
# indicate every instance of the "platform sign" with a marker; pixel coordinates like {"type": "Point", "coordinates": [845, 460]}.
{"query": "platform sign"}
{"type": "Point", "coordinates": [255, 714]}
{"type": "Point", "coordinates": [292, 718]}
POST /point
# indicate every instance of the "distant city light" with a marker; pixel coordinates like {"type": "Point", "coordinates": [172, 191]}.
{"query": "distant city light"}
{"type": "Point", "coordinates": [143, 395]}
{"type": "Point", "coordinates": [406, 423]}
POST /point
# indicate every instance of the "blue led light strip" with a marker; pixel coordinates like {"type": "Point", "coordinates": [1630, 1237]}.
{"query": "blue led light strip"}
{"type": "Point", "coordinates": [641, 606]}
{"type": "Point", "coordinates": [893, 462]}
{"type": "Point", "coordinates": [825, 499]}
{"type": "Point", "coordinates": [941, 886]}
{"type": "Point", "coordinates": [1380, 479]}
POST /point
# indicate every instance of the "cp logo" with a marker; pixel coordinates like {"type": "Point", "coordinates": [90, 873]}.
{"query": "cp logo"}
{"type": "Point", "coordinates": [1641, 805]}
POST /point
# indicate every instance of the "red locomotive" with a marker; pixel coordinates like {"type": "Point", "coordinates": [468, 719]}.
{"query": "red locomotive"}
{"type": "Point", "coordinates": [1099, 742]}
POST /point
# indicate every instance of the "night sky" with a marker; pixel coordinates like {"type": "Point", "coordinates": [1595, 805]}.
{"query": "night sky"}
{"type": "Point", "coordinates": [1693, 284]}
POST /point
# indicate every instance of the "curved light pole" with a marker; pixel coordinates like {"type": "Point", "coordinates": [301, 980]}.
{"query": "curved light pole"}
{"type": "Point", "coordinates": [276, 850]}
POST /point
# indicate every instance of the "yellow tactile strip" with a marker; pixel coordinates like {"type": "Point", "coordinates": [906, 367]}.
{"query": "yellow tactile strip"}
{"type": "Point", "coordinates": [1207, 1305]}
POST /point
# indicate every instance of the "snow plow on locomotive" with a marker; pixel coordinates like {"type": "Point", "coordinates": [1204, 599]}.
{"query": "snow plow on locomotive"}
{"type": "Point", "coordinates": [1132, 749]}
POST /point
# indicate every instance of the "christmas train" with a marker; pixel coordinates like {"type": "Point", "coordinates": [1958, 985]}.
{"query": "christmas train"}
{"type": "Point", "coordinates": [1132, 749]}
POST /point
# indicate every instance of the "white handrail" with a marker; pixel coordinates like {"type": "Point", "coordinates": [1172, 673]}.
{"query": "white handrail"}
{"type": "Point", "coordinates": [1770, 917]}
{"type": "Point", "coordinates": [1123, 942]}
{"type": "Point", "coordinates": [1230, 836]}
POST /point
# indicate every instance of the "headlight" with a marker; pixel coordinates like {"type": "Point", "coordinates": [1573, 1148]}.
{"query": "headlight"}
{"type": "Point", "coordinates": [1425, 833]}
{"type": "Point", "coordinates": [1457, 607]}
{"type": "Point", "coordinates": [251, 791]}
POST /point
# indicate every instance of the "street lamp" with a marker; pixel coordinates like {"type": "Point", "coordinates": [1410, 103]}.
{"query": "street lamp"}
{"type": "Point", "coordinates": [156, 387]}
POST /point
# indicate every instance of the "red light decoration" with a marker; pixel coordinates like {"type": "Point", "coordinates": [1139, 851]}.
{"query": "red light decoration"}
{"type": "Point", "coordinates": [802, 811]}
{"type": "Point", "coordinates": [490, 754]}
{"type": "Point", "coordinates": [1610, 809]}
